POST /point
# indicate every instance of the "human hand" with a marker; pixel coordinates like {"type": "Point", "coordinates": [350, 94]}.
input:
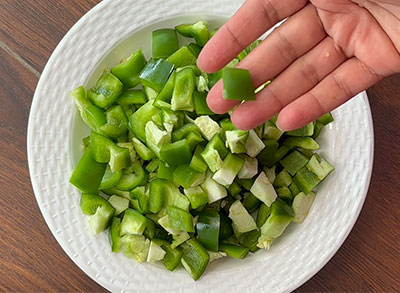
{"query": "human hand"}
{"type": "Point", "coordinates": [324, 54]}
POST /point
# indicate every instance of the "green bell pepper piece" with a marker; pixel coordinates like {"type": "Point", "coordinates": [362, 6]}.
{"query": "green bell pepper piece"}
{"type": "Point", "coordinates": [250, 202]}
{"type": "Point", "coordinates": [88, 174]}
{"type": "Point", "coordinates": [182, 96]}
{"type": "Point", "coordinates": [172, 257]}
{"type": "Point", "coordinates": [281, 216]}
{"type": "Point", "coordinates": [156, 73]}
{"type": "Point", "coordinates": [306, 180]}
{"type": "Point", "coordinates": [225, 229]}
{"type": "Point", "coordinates": [284, 193]}
{"type": "Point", "coordinates": [166, 93]}
{"type": "Point", "coordinates": [207, 228]}
{"type": "Point", "coordinates": [106, 90]}
{"type": "Point", "coordinates": [208, 126]}
{"type": "Point", "coordinates": [110, 179]}
{"type": "Point", "coordinates": [276, 157]}
{"type": "Point", "coordinates": [173, 197]}
{"type": "Point", "coordinates": [156, 138]}
{"type": "Point", "coordinates": [301, 206]}
{"type": "Point", "coordinates": [150, 93]}
{"type": "Point", "coordinates": [271, 131]}
{"type": "Point", "coordinates": [139, 119]}
{"type": "Point", "coordinates": [142, 150]}
{"type": "Point", "coordinates": [198, 31]}
{"type": "Point", "coordinates": [117, 123]}
{"type": "Point", "coordinates": [80, 99]}
{"type": "Point", "coordinates": [236, 140]}
{"type": "Point", "coordinates": [195, 258]}
{"type": "Point", "coordinates": [106, 151]}
{"type": "Point", "coordinates": [197, 163]}
{"type": "Point", "coordinates": [306, 143]}
{"type": "Point", "coordinates": [176, 153]}
{"type": "Point", "coordinates": [294, 162]}
{"type": "Point", "coordinates": [238, 85]}
{"type": "Point", "coordinates": [193, 139]}
{"type": "Point", "coordinates": [326, 119]}
{"type": "Point", "coordinates": [242, 221]}
{"type": "Point", "coordinates": [135, 247]}
{"type": "Point", "coordinates": [230, 168]}
{"type": "Point", "coordinates": [165, 172]}
{"type": "Point", "coordinates": [152, 166]}
{"type": "Point", "coordinates": [131, 97]}
{"type": "Point", "coordinates": [85, 142]}
{"type": "Point", "coordinates": [319, 167]}
{"type": "Point", "coordinates": [218, 144]}
{"type": "Point", "coordinates": [179, 219]}
{"type": "Point", "coordinates": [226, 125]}
{"type": "Point", "coordinates": [200, 103]}
{"type": "Point", "coordinates": [317, 129]}
{"type": "Point", "coordinates": [196, 49]}
{"type": "Point", "coordinates": [178, 239]}
{"type": "Point", "coordinates": [92, 115]}
{"type": "Point", "coordinates": [306, 130]}
{"type": "Point", "coordinates": [185, 176]}
{"type": "Point", "coordinates": [141, 199]}
{"type": "Point", "coordinates": [282, 179]}
{"type": "Point", "coordinates": [130, 181]}
{"type": "Point", "coordinates": [213, 78]}
{"type": "Point", "coordinates": [184, 131]}
{"type": "Point", "coordinates": [99, 210]}
{"type": "Point", "coordinates": [164, 43]}
{"type": "Point", "coordinates": [183, 57]}
{"type": "Point", "coordinates": [266, 157]}
{"type": "Point", "coordinates": [156, 195]}
{"type": "Point", "coordinates": [234, 250]}
{"type": "Point", "coordinates": [196, 196]}
{"type": "Point", "coordinates": [202, 83]}
{"type": "Point", "coordinates": [114, 234]}
{"type": "Point", "coordinates": [133, 222]}
{"type": "Point", "coordinates": [262, 215]}
{"type": "Point", "coordinates": [119, 203]}
{"type": "Point", "coordinates": [128, 70]}
{"type": "Point", "coordinates": [249, 240]}
{"type": "Point", "coordinates": [234, 189]}
{"type": "Point", "coordinates": [294, 189]}
{"type": "Point", "coordinates": [246, 183]}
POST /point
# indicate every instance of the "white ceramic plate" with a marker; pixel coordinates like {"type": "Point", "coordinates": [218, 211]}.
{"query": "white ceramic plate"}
{"type": "Point", "coordinates": [111, 31]}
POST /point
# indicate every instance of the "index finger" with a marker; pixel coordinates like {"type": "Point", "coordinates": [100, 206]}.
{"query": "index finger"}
{"type": "Point", "coordinates": [251, 21]}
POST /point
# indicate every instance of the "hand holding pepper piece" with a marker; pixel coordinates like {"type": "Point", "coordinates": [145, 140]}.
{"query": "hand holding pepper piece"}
{"type": "Point", "coordinates": [324, 54]}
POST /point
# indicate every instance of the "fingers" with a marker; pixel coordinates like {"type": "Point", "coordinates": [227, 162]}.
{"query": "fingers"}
{"type": "Point", "coordinates": [276, 52]}
{"type": "Point", "coordinates": [346, 81]}
{"type": "Point", "coordinates": [251, 21]}
{"type": "Point", "coordinates": [300, 77]}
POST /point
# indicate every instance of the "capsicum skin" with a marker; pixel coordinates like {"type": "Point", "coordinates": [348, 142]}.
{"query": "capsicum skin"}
{"type": "Point", "coordinates": [128, 70]}
{"type": "Point", "coordinates": [208, 229]}
{"type": "Point", "coordinates": [195, 258]}
{"type": "Point", "coordinates": [99, 210]}
{"type": "Point", "coordinates": [164, 43]}
{"type": "Point", "coordinates": [88, 174]}
{"type": "Point", "coordinates": [199, 31]}
{"type": "Point", "coordinates": [237, 84]}
{"type": "Point", "coordinates": [156, 73]}
{"type": "Point", "coordinates": [106, 90]}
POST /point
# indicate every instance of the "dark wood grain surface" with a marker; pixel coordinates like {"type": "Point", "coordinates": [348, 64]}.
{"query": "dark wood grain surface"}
{"type": "Point", "coordinates": [30, 258]}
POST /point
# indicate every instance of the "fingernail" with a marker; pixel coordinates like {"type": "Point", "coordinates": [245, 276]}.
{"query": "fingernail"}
{"type": "Point", "coordinates": [277, 125]}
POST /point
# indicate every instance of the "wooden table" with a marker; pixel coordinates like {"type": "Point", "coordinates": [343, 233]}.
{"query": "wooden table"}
{"type": "Point", "coordinates": [31, 259]}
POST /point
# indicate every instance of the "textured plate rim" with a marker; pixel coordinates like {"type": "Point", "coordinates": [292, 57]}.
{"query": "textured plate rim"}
{"type": "Point", "coordinates": [64, 245]}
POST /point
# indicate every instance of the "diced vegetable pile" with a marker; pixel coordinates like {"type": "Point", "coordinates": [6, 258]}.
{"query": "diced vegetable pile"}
{"type": "Point", "coordinates": [174, 183]}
